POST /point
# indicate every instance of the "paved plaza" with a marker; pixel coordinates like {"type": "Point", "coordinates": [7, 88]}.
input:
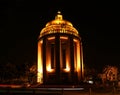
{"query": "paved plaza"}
{"type": "Point", "coordinates": [56, 91]}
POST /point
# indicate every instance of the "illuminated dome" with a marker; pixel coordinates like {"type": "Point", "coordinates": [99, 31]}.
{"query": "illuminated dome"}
{"type": "Point", "coordinates": [58, 25]}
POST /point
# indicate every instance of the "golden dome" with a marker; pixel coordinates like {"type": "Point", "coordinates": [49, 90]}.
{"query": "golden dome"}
{"type": "Point", "coordinates": [58, 25]}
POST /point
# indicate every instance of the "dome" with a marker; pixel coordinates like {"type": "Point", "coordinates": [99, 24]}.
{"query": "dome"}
{"type": "Point", "coordinates": [58, 25]}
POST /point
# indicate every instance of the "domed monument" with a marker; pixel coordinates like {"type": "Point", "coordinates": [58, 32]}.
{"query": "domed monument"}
{"type": "Point", "coordinates": [60, 54]}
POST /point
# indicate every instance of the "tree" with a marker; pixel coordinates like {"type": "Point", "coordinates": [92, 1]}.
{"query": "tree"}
{"type": "Point", "coordinates": [110, 74]}
{"type": "Point", "coordinates": [32, 74]}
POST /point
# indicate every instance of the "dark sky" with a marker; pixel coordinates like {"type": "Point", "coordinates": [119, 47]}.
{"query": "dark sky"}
{"type": "Point", "coordinates": [22, 20]}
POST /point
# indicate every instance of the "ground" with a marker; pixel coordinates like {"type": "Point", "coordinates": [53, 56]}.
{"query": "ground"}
{"type": "Point", "coordinates": [15, 90]}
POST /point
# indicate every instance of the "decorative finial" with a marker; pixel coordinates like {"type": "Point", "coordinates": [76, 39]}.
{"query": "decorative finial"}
{"type": "Point", "coordinates": [59, 16]}
{"type": "Point", "coordinates": [59, 12]}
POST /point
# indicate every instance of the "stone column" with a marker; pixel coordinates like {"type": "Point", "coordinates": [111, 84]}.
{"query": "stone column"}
{"type": "Point", "coordinates": [71, 59]}
{"type": "Point", "coordinates": [57, 59]}
{"type": "Point", "coordinates": [44, 61]}
{"type": "Point", "coordinates": [82, 67]}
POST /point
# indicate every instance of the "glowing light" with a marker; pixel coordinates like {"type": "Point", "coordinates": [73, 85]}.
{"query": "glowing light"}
{"type": "Point", "coordinates": [67, 69]}
{"type": "Point", "coordinates": [41, 41]}
{"type": "Point", "coordinates": [62, 37]}
{"type": "Point", "coordinates": [57, 21]}
{"type": "Point", "coordinates": [49, 69]}
{"type": "Point", "coordinates": [48, 57]}
{"type": "Point", "coordinates": [51, 38]}
{"type": "Point", "coordinates": [75, 40]}
{"type": "Point", "coordinates": [39, 64]}
{"type": "Point", "coordinates": [78, 59]}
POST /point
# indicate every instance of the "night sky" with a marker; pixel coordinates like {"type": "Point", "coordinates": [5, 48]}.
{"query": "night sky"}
{"type": "Point", "coordinates": [22, 20]}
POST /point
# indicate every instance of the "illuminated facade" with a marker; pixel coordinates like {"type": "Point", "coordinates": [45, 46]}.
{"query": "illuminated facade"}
{"type": "Point", "coordinates": [60, 56]}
